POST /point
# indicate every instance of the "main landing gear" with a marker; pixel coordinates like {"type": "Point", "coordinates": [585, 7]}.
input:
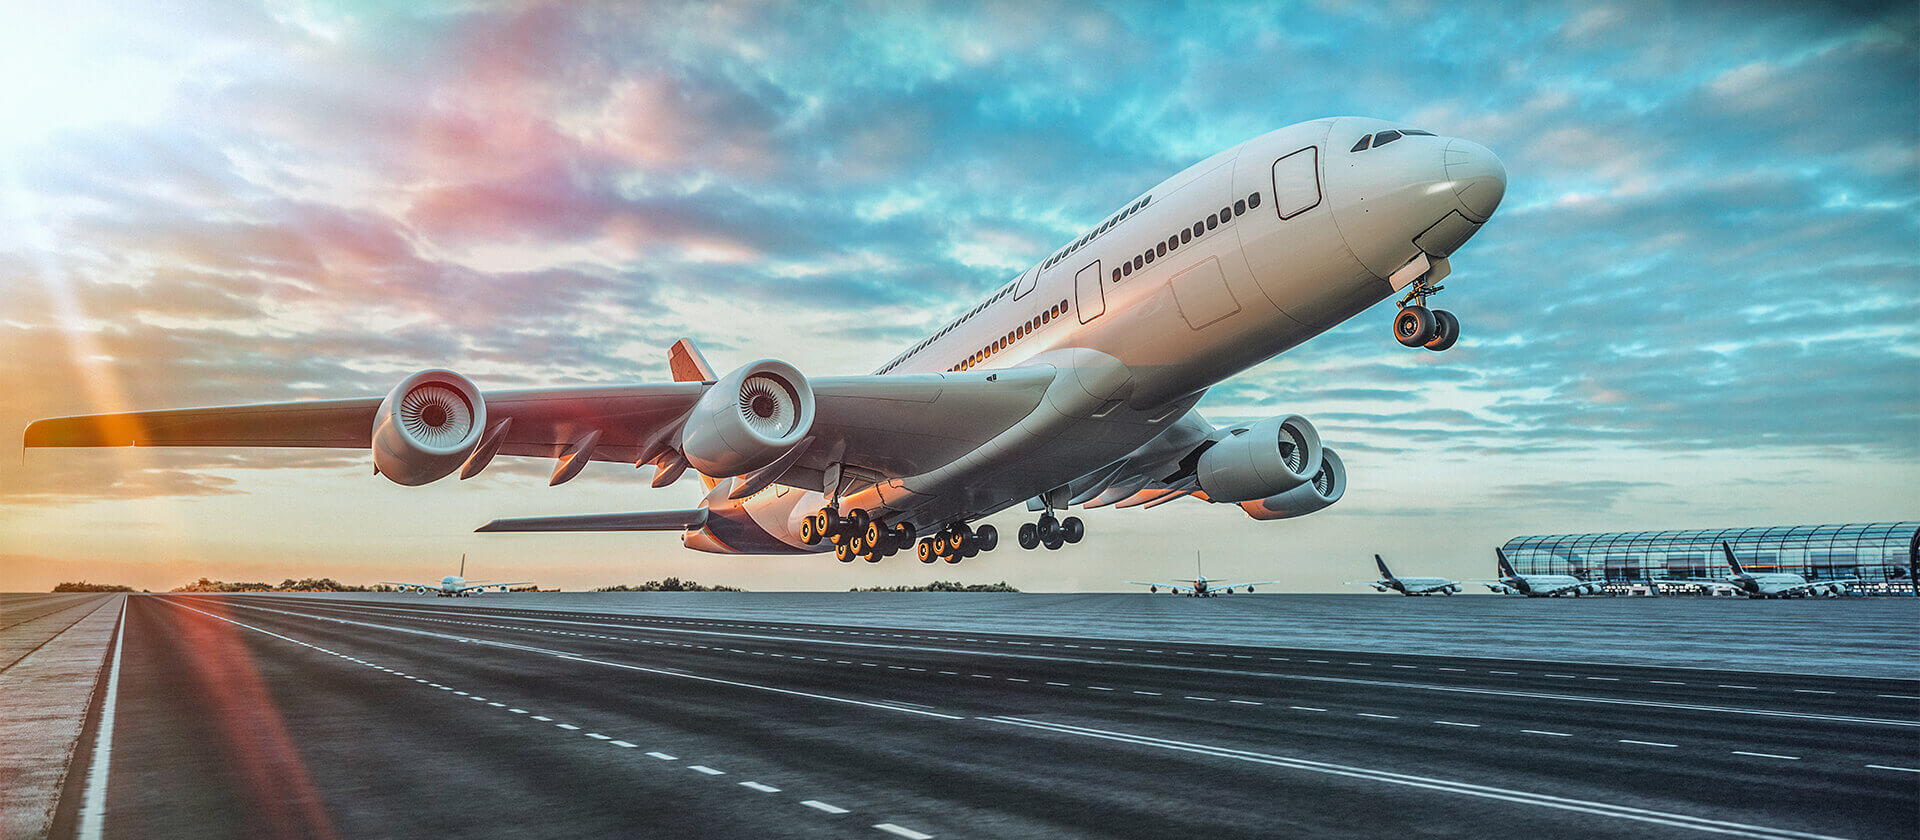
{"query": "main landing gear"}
{"type": "Point", "coordinates": [957, 542]}
{"type": "Point", "coordinates": [1051, 532]}
{"type": "Point", "coordinates": [857, 534]}
{"type": "Point", "coordinates": [1418, 326]}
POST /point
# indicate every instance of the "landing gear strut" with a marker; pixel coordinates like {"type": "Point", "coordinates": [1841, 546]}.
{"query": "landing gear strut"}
{"type": "Point", "coordinates": [1418, 326]}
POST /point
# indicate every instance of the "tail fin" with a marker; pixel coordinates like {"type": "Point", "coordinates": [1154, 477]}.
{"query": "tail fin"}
{"type": "Point", "coordinates": [1732, 563]}
{"type": "Point", "coordinates": [1506, 566]}
{"type": "Point", "coordinates": [1383, 567]}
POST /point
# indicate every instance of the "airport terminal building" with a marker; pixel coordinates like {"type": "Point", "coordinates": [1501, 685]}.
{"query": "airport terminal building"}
{"type": "Point", "coordinates": [1885, 556]}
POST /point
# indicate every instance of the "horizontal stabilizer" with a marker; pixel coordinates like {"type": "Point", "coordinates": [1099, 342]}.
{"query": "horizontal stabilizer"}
{"type": "Point", "coordinates": [650, 520]}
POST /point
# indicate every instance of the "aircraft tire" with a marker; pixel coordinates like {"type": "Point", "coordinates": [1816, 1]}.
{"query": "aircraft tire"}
{"type": "Point", "coordinates": [842, 553]}
{"type": "Point", "coordinates": [1414, 326]}
{"type": "Point", "coordinates": [1053, 540]}
{"type": "Point", "coordinates": [926, 551]}
{"type": "Point", "coordinates": [857, 520]}
{"type": "Point", "coordinates": [1029, 536]}
{"type": "Point", "coordinates": [809, 534]}
{"type": "Point", "coordinates": [1446, 331]}
{"type": "Point", "coordinates": [876, 534]}
{"type": "Point", "coordinates": [1072, 529]}
{"type": "Point", "coordinates": [988, 536]}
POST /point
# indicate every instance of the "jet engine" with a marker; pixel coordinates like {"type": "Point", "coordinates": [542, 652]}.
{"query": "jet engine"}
{"type": "Point", "coordinates": [1271, 457]}
{"type": "Point", "coordinates": [1329, 483]}
{"type": "Point", "coordinates": [427, 426]}
{"type": "Point", "coordinates": [748, 419]}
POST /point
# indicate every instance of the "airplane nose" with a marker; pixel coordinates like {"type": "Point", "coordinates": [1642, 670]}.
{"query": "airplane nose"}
{"type": "Point", "coordinates": [1479, 180]}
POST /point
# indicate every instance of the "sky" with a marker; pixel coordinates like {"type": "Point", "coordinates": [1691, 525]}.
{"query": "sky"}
{"type": "Point", "coordinates": [1695, 308]}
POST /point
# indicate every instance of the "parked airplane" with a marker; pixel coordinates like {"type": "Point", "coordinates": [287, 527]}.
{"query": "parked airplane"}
{"type": "Point", "coordinates": [1199, 586]}
{"type": "Point", "coordinates": [1074, 384]}
{"type": "Point", "coordinates": [453, 585]}
{"type": "Point", "coordinates": [1769, 584]}
{"type": "Point", "coordinates": [1407, 585]}
{"type": "Point", "coordinates": [1511, 582]}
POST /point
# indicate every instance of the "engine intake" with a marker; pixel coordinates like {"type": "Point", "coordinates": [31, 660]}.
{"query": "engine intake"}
{"type": "Point", "coordinates": [1328, 485]}
{"type": "Point", "coordinates": [748, 419]}
{"type": "Point", "coordinates": [1272, 456]}
{"type": "Point", "coordinates": [427, 426]}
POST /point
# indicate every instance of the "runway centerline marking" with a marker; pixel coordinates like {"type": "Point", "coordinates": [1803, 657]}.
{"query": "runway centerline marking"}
{"type": "Point", "coordinates": [903, 831]}
{"type": "Point", "coordinates": [822, 806]}
{"type": "Point", "coordinates": [1891, 767]}
{"type": "Point", "coordinates": [1767, 755]}
{"type": "Point", "coordinates": [1646, 743]}
{"type": "Point", "coordinates": [1544, 732]}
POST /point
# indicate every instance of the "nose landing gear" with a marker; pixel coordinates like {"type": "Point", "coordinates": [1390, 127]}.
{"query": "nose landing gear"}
{"type": "Point", "coordinates": [1418, 326]}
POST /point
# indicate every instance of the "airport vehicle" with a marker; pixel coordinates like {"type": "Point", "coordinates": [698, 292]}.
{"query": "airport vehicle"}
{"type": "Point", "coordinates": [1511, 582]}
{"type": "Point", "coordinates": [1073, 384]}
{"type": "Point", "coordinates": [1199, 586]}
{"type": "Point", "coordinates": [1769, 584]}
{"type": "Point", "coordinates": [455, 585]}
{"type": "Point", "coordinates": [1388, 582]}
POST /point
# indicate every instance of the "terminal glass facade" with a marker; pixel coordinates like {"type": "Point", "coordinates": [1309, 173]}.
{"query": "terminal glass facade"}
{"type": "Point", "coordinates": [1884, 556]}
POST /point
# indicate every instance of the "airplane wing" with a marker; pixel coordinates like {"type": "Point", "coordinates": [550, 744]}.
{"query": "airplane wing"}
{"type": "Point", "coordinates": [482, 587]}
{"type": "Point", "coordinates": [1715, 585]}
{"type": "Point", "coordinates": [1373, 583]}
{"type": "Point", "coordinates": [406, 587]}
{"type": "Point", "coordinates": [880, 427]}
{"type": "Point", "coordinates": [1491, 584]}
{"type": "Point", "coordinates": [1171, 587]}
{"type": "Point", "coordinates": [1817, 585]}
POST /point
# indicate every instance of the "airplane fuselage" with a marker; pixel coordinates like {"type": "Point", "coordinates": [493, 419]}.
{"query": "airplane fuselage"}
{"type": "Point", "coordinates": [1236, 259]}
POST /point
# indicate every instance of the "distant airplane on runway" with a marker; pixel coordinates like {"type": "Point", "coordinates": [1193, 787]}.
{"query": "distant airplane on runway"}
{"type": "Point", "coordinates": [1511, 582]}
{"type": "Point", "coordinates": [455, 585]}
{"type": "Point", "coordinates": [1769, 584]}
{"type": "Point", "coordinates": [1407, 585]}
{"type": "Point", "coordinates": [1199, 586]}
{"type": "Point", "coordinates": [1073, 383]}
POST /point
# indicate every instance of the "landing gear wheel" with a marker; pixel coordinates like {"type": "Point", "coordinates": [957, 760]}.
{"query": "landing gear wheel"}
{"type": "Point", "coordinates": [926, 551]}
{"type": "Point", "coordinates": [823, 521]}
{"type": "Point", "coordinates": [1029, 536]}
{"type": "Point", "coordinates": [843, 552]}
{"type": "Point", "coordinates": [1414, 326]}
{"type": "Point", "coordinates": [1050, 535]}
{"type": "Point", "coordinates": [876, 535]}
{"type": "Point", "coordinates": [872, 556]}
{"type": "Point", "coordinates": [1072, 529]}
{"type": "Point", "coordinates": [988, 536]}
{"type": "Point", "coordinates": [857, 520]}
{"type": "Point", "coordinates": [1446, 330]}
{"type": "Point", "coordinates": [902, 534]}
{"type": "Point", "coordinates": [857, 544]}
{"type": "Point", "coordinates": [809, 534]}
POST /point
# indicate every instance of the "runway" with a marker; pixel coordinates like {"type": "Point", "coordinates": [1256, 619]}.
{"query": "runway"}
{"type": "Point", "coordinates": [311, 717]}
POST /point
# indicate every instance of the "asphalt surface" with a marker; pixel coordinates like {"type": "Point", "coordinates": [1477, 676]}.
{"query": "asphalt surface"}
{"type": "Point", "coordinates": [306, 717]}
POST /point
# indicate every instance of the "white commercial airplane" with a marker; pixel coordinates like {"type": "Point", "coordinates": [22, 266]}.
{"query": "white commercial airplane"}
{"type": "Point", "coordinates": [1199, 586]}
{"type": "Point", "coordinates": [1769, 584]}
{"type": "Point", "coordinates": [1511, 582]}
{"type": "Point", "coordinates": [1074, 384]}
{"type": "Point", "coordinates": [1407, 585]}
{"type": "Point", "coordinates": [452, 585]}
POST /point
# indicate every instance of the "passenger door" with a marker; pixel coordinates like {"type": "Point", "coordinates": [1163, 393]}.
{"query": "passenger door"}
{"type": "Point", "coordinates": [1089, 295]}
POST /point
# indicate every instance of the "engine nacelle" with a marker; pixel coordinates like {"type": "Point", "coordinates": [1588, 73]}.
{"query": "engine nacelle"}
{"type": "Point", "coordinates": [427, 426]}
{"type": "Point", "coordinates": [1273, 456]}
{"type": "Point", "coordinates": [748, 419]}
{"type": "Point", "coordinates": [1328, 485]}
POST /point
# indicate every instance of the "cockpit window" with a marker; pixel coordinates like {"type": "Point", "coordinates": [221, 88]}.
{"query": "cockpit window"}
{"type": "Point", "coordinates": [1385, 137]}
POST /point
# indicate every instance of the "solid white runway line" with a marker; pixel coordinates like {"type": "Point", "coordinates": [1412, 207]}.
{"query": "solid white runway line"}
{"type": "Point", "coordinates": [1604, 809]}
{"type": "Point", "coordinates": [93, 814]}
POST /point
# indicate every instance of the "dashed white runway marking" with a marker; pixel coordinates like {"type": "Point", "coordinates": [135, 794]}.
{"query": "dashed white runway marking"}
{"type": "Point", "coordinates": [1891, 767]}
{"type": "Point", "coordinates": [702, 768]}
{"type": "Point", "coordinates": [543, 718]}
{"type": "Point", "coordinates": [627, 744]}
{"type": "Point", "coordinates": [1061, 684]}
{"type": "Point", "coordinates": [599, 737]}
{"type": "Point", "coordinates": [1307, 708]}
{"type": "Point", "coordinates": [1453, 723]}
{"type": "Point", "coordinates": [817, 805]}
{"type": "Point", "coordinates": [567, 726]}
{"type": "Point", "coordinates": [1665, 682]}
{"type": "Point", "coordinates": [1545, 732]}
{"type": "Point", "coordinates": [1767, 755]}
{"type": "Point", "coordinates": [1148, 693]}
{"type": "Point", "coordinates": [760, 787]}
{"type": "Point", "coordinates": [1201, 699]}
{"type": "Point", "coordinates": [663, 756]}
{"type": "Point", "coordinates": [1099, 688]}
{"type": "Point", "coordinates": [1741, 687]}
{"type": "Point", "coordinates": [1898, 696]}
{"type": "Point", "coordinates": [1506, 673]}
{"type": "Point", "coordinates": [1646, 743]}
{"type": "Point", "coordinates": [1247, 702]}
{"type": "Point", "coordinates": [1813, 691]}
{"type": "Point", "coordinates": [901, 831]}
{"type": "Point", "coordinates": [1382, 717]}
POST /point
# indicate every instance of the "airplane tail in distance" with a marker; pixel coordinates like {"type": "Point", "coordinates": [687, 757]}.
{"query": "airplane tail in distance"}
{"type": "Point", "coordinates": [1732, 563]}
{"type": "Point", "coordinates": [1506, 566]}
{"type": "Point", "coordinates": [1383, 567]}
